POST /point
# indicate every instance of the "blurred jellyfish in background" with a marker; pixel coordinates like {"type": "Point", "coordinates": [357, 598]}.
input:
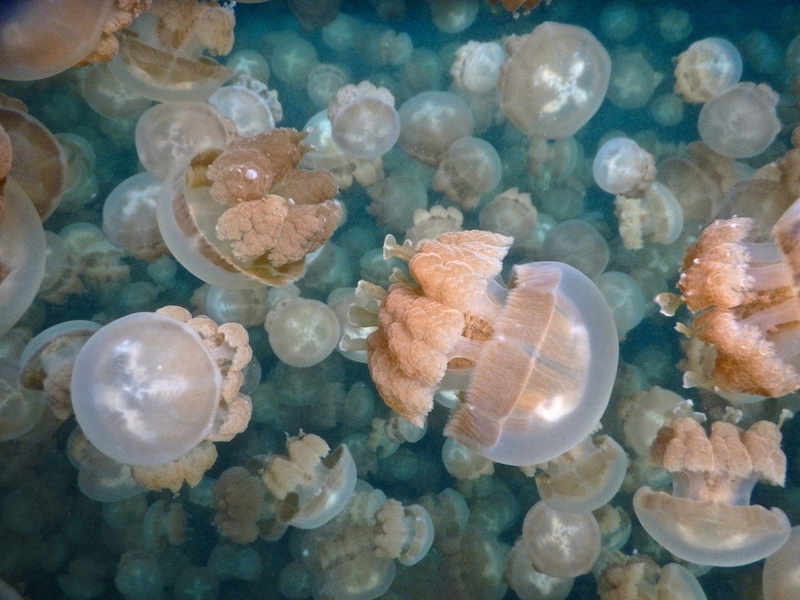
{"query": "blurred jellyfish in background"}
{"type": "Point", "coordinates": [336, 300]}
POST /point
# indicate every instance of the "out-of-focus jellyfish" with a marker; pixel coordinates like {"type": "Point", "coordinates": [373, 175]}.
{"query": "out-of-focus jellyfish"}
{"type": "Point", "coordinates": [477, 66]}
{"type": "Point", "coordinates": [579, 245]}
{"type": "Point", "coordinates": [247, 102]}
{"type": "Point", "coordinates": [40, 38]}
{"type": "Point", "coordinates": [463, 463]}
{"type": "Point", "coordinates": [454, 16]}
{"type": "Point", "coordinates": [585, 477]}
{"type": "Point", "coordinates": [762, 51]}
{"type": "Point", "coordinates": [461, 331]}
{"type": "Point", "coordinates": [139, 576]}
{"type": "Point", "coordinates": [750, 308]}
{"type": "Point", "coordinates": [313, 14]}
{"type": "Point", "coordinates": [621, 166]}
{"type": "Point", "coordinates": [625, 298]}
{"type": "Point", "coordinates": [39, 165]}
{"type": "Point", "coordinates": [619, 20]}
{"type": "Point", "coordinates": [22, 255]}
{"type": "Point", "coordinates": [632, 80]}
{"type": "Point", "coordinates": [322, 152]}
{"type": "Point", "coordinates": [363, 120]}
{"type": "Point", "coordinates": [741, 121]}
{"type": "Point", "coordinates": [324, 81]}
{"type": "Point", "coordinates": [673, 23]}
{"type": "Point", "coordinates": [244, 215]}
{"type": "Point", "coordinates": [302, 332]}
{"type": "Point", "coordinates": [528, 582]}
{"type": "Point", "coordinates": [291, 57]}
{"type": "Point", "coordinates": [560, 544]}
{"type": "Point", "coordinates": [250, 63]}
{"type": "Point", "coordinates": [395, 200]}
{"type": "Point", "coordinates": [313, 484]}
{"type": "Point", "coordinates": [173, 394]}
{"type": "Point", "coordinates": [707, 68]}
{"type": "Point", "coordinates": [470, 168]}
{"type": "Point", "coordinates": [171, 133]}
{"type": "Point", "coordinates": [552, 161]}
{"type": "Point", "coordinates": [667, 109]}
{"type": "Point", "coordinates": [422, 72]}
{"type": "Point", "coordinates": [129, 217]}
{"type": "Point", "coordinates": [160, 54]}
{"type": "Point", "coordinates": [656, 216]}
{"type": "Point", "coordinates": [554, 80]}
{"type": "Point", "coordinates": [108, 96]}
{"type": "Point", "coordinates": [240, 499]}
{"type": "Point", "coordinates": [707, 519]}
{"type": "Point", "coordinates": [429, 124]}
{"type": "Point", "coordinates": [782, 570]}
{"type": "Point", "coordinates": [512, 214]}
{"type": "Point", "coordinates": [697, 194]}
{"type": "Point", "coordinates": [20, 408]}
{"type": "Point", "coordinates": [641, 574]}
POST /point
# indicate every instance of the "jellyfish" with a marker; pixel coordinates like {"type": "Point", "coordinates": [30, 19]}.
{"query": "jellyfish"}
{"type": "Point", "coordinates": [749, 307]}
{"type": "Point", "coordinates": [477, 66]}
{"type": "Point", "coordinates": [429, 124]}
{"type": "Point", "coordinates": [160, 55]}
{"type": "Point", "coordinates": [454, 16]}
{"type": "Point", "coordinates": [781, 569]}
{"type": "Point", "coordinates": [741, 121]}
{"type": "Point", "coordinates": [171, 396]}
{"type": "Point", "coordinates": [707, 519]}
{"type": "Point", "coordinates": [39, 39]}
{"type": "Point", "coordinates": [621, 166]}
{"type": "Point", "coordinates": [302, 332]}
{"type": "Point", "coordinates": [707, 68]}
{"type": "Point", "coordinates": [632, 80]}
{"type": "Point", "coordinates": [363, 120]}
{"type": "Point", "coordinates": [554, 80]}
{"type": "Point", "coordinates": [471, 168]}
{"type": "Point", "coordinates": [244, 215]}
{"type": "Point", "coordinates": [248, 102]}
{"type": "Point", "coordinates": [461, 332]}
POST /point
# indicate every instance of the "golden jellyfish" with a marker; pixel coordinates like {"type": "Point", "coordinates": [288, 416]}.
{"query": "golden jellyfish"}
{"type": "Point", "coordinates": [707, 519]}
{"type": "Point", "coordinates": [535, 361]}
{"type": "Point", "coordinates": [707, 68]}
{"type": "Point", "coordinates": [554, 80]}
{"type": "Point", "coordinates": [748, 307]}
{"type": "Point", "coordinates": [243, 216]}
{"type": "Point", "coordinates": [41, 38]}
{"type": "Point", "coordinates": [160, 55]}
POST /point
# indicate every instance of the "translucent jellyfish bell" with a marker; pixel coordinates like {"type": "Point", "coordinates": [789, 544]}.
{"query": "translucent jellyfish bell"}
{"type": "Point", "coordinates": [302, 332]}
{"type": "Point", "coordinates": [741, 121]}
{"type": "Point", "coordinates": [554, 80]}
{"type": "Point", "coordinates": [621, 166]}
{"type": "Point", "coordinates": [363, 120]}
{"type": "Point", "coordinates": [707, 68]}
{"type": "Point", "coordinates": [145, 389]}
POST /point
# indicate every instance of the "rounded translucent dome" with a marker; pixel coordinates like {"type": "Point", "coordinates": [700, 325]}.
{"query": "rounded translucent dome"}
{"type": "Point", "coordinates": [145, 389]}
{"type": "Point", "coordinates": [554, 80]}
{"type": "Point", "coordinates": [621, 166]}
{"type": "Point", "coordinates": [364, 122]}
{"type": "Point", "coordinates": [39, 38]}
{"type": "Point", "coordinates": [302, 332]}
{"type": "Point", "coordinates": [707, 68]}
{"type": "Point", "coordinates": [430, 122]}
{"type": "Point", "coordinates": [740, 122]}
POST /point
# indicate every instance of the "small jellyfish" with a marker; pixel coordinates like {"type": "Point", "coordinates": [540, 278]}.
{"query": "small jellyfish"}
{"type": "Point", "coordinates": [656, 216]}
{"type": "Point", "coordinates": [560, 544]}
{"type": "Point", "coordinates": [143, 401]}
{"type": "Point", "coordinates": [554, 80]}
{"type": "Point", "coordinates": [429, 124]}
{"type": "Point", "coordinates": [169, 134]}
{"type": "Point", "coordinates": [741, 121]}
{"type": "Point", "coordinates": [129, 217]}
{"type": "Point", "coordinates": [707, 519]}
{"type": "Point", "coordinates": [454, 16]}
{"type": "Point", "coordinates": [324, 81]}
{"type": "Point", "coordinates": [477, 66]}
{"type": "Point", "coordinates": [632, 80]}
{"type": "Point", "coordinates": [363, 120]}
{"type": "Point", "coordinates": [302, 332]}
{"type": "Point", "coordinates": [471, 168]}
{"type": "Point", "coordinates": [247, 102]}
{"type": "Point", "coordinates": [313, 484]}
{"type": "Point", "coordinates": [621, 166]}
{"type": "Point", "coordinates": [707, 68]}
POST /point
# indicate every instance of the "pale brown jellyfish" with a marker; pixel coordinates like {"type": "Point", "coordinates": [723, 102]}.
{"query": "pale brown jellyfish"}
{"type": "Point", "coordinates": [510, 213]}
{"type": "Point", "coordinates": [529, 583]}
{"type": "Point", "coordinates": [39, 39]}
{"type": "Point", "coordinates": [707, 68]}
{"type": "Point", "coordinates": [238, 498]}
{"type": "Point", "coordinates": [554, 80]}
{"type": "Point", "coordinates": [708, 519]}
{"type": "Point", "coordinates": [20, 408]}
{"type": "Point", "coordinates": [470, 168]}
{"type": "Point", "coordinates": [632, 80]}
{"type": "Point", "coordinates": [168, 135]}
{"type": "Point", "coordinates": [458, 329]}
{"type": "Point", "coordinates": [174, 402]}
{"type": "Point", "coordinates": [477, 66]}
{"type": "Point", "coordinates": [560, 544]}
{"type": "Point", "coordinates": [697, 194]}
{"type": "Point", "coordinates": [40, 165]}
{"type": "Point", "coordinates": [656, 216]}
{"type": "Point", "coordinates": [639, 577]}
{"type": "Point", "coordinates": [429, 124]}
{"type": "Point", "coordinates": [781, 576]}
{"type": "Point", "coordinates": [250, 104]}
{"type": "Point", "coordinates": [108, 97]}
{"type": "Point", "coordinates": [750, 309]}
{"type": "Point", "coordinates": [313, 484]}
{"type": "Point", "coordinates": [302, 332]}
{"type": "Point", "coordinates": [740, 122]}
{"type": "Point", "coordinates": [160, 54]}
{"type": "Point", "coordinates": [22, 255]}
{"type": "Point", "coordinates": [244, 215]}
{"type": "Point", "coordinates": [585, 477]}
{"type": "Point", "coordinates": [622, 167]}
{"type": "Point", "coordinates": [364, 122]}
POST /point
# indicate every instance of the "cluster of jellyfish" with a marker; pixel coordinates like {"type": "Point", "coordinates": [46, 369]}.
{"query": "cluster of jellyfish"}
{"type": "Point", "coordinates": [458, 299]}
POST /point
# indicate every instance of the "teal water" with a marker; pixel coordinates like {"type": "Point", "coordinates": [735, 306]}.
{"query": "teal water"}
{"type": "Point", "coordinates": [49, 530]}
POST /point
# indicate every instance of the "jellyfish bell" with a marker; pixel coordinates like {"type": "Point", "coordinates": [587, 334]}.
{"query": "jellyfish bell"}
{"type": "Point", "coordinates": [554, 80]}
{"type": "Point", "coordinates": [363, 120]}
